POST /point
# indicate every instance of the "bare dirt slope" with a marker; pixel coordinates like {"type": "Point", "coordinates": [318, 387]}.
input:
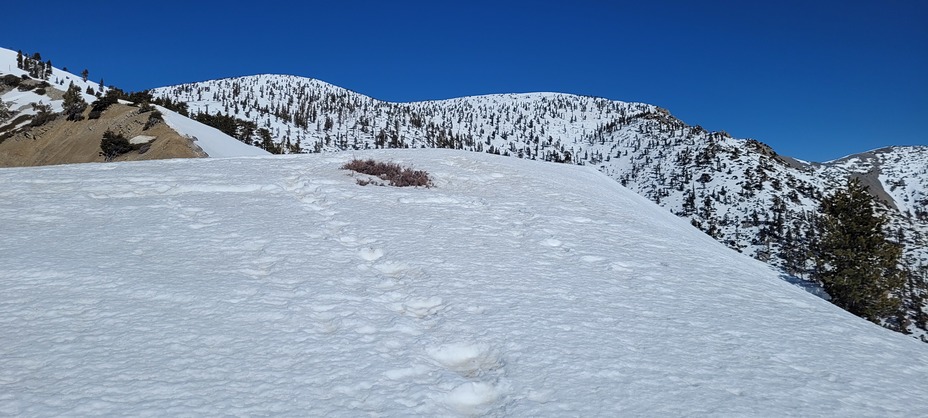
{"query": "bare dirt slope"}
{"type": "Point", "coordinates": [66, 142]}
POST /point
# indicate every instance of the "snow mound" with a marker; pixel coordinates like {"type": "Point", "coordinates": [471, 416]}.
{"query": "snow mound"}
{"type": "Point", "coordinates": [279, 286]}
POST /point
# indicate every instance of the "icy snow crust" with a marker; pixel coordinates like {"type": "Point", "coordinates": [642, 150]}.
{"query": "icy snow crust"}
{"type": "Point", "coordinates": [278, 286]}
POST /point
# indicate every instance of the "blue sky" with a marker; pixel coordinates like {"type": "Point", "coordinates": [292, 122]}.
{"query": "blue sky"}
{"type": "Point", "coordinates": [815, 80]}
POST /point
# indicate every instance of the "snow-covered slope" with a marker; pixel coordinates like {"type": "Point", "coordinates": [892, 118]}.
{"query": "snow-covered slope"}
{"type": "Point", "coordinates": [738, 191]}
{"type": "Point", "coordinates": [212, 141]}
{"type": "Point", "coordinates": [21, 101]}
{"type": "Point", "coordinates": [278, 286]}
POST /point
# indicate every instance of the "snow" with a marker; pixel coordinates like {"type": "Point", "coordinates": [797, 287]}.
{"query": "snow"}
{"type": "Point", "coordinates": [22, 101]}
{"type": "Point", "coordinates": [212, 141]}
{"type": "Point", "coordinates": [141, 139]}
{"type": "Point", "coordinates": [278, 286]}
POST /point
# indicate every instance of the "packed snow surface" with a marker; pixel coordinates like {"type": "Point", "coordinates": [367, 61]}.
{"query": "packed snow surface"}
{"type": "Point", "coordinates": [279, 286]}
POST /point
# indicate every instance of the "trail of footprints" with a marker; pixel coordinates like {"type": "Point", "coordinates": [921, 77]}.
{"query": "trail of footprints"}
{"type": "Point", "coordinates": [477, 389]}
{"type": "Point", "coordinates": [478, 367]}
{"type": "Point", "coordinates": [474, 381]}
{"type": "Point", "coordinates": [474, 377]}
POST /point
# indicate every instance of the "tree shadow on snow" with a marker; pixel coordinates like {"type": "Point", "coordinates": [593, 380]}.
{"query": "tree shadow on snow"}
{"type": "Point", "coordinates": [811, 287]}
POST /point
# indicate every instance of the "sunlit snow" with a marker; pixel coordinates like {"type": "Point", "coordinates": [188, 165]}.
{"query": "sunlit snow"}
{"type": "Point", "coordinates": [212, 141]}
{"type": "Point", "coordinates": [279, 286]}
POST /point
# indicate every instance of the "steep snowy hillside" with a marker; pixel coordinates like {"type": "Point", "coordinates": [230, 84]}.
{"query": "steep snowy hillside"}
{"type": "Point", "coordinates": [279, 286]}
{"type": "Point", "coordinates": [24, 95]}
{"type": "Point", "coordinates": [738, 191]}
{"type": "Point", "coordinates": [21, 101]}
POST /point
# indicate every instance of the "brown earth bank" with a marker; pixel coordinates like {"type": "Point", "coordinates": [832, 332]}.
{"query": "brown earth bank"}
{"type": "Point", "coordinates": [67, 142]}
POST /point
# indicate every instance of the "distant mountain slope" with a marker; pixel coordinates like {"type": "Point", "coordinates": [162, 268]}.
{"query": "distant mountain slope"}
{"type": "Point", "coordinates": [25, 142]}
{"type": "Point", "coordinates": [738, 191]}
{"type": "Point", "coordinates": [279, 286]}
{"type": "Point", "coordinates": [902, 173]}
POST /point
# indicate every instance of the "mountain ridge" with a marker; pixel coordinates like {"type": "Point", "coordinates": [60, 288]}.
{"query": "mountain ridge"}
{"type": "Point", "coordinates": [26, 138]}
{"type": "Point", "coordinates": [740, 191]}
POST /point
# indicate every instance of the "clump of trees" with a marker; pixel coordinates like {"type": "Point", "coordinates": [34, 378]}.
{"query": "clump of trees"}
{"type": "Point", "coordinates": [855, 262]}
{"type": "Point", "coordinates": [177, 106]}
{"type": "Point", "coordinates": [394, 174]}
{"type": "Point", "coordinates": [100, 105]}
{"type": "Point", "coordinates": [114, 145]}
{"type": "Point", "coordinates": [43, 114]}
{"type": "Point", "coordinates": [243, 130]}
{"type": "Point", "coordinates": [34, 65]}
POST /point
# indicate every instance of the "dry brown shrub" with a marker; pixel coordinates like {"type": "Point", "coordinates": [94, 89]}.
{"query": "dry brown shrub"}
{"type": "Point", "coordinates": [396, 174]}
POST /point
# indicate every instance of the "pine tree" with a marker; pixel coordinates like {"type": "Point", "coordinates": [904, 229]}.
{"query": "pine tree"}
{"type": "Point", "coordinates": [74, 104]}
{"type": "Point", "coordinates": [855, 262]}
{"type": "Point", "coordinates": [85, 74]}
{"type": "Point", "coordinates": [114, 145]}
{"type": "Point", "coordinates": [19, 60]}
{"type": "Point", "coordinates": [36, 66]}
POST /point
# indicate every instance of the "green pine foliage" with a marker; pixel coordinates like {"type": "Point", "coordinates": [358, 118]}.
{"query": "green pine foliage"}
{"type": "Point", "coordinates": [100, 105]}
{"type": "Point", "coordinates": [178, 106]}
{"type": "Point", "coordinates": [855, 262]}
{"type": "Point", "coordinates": [74, 103]}
{"type": "Point", "coordinates": [34, 65]}
{"type": "Point", "coordinates": [43, 114]}
{"type": "Point", "coordinates": [114, 145]}
{"type": "Point", "coordinates": [154, 118]}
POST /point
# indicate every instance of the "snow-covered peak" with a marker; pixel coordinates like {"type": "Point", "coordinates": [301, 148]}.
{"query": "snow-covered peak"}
{"type": "Point", "coordinates": [279, 286]}
{"type": "Point", "coordinates": [737, 190]}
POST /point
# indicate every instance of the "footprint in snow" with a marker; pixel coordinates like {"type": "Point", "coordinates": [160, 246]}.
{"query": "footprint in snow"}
{"type": "Point", "coordinates": [551, 242]}
{"type": "Point", "coordinates": [392, 268]}
{"type": "Point", "coordinates": [370, 254]}
{"type": "Point", "coordinates": [592, 259]}
{"type": "Point", "coordinates": [419, 308]}
{"type": "Point", "coordinates": [473, 398]}
{"type": "Point", "coordinates": [467, 359]}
